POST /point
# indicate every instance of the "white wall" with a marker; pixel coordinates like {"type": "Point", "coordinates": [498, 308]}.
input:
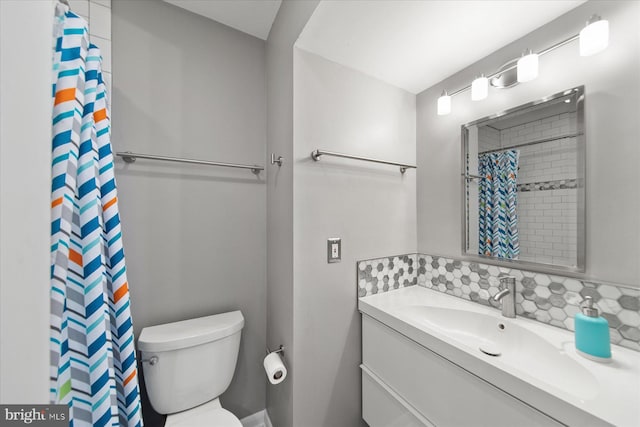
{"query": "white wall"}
{"type": "Point", "coordinates": [612, 129]}
{"type": "Point", "coordinates": [26, 29]}
{"type": "Point", "coordinates": [371, 207]}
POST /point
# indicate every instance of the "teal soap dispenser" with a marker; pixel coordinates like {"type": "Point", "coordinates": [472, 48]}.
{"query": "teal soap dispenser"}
{"type": "Point", "coordinates": [592, 333]}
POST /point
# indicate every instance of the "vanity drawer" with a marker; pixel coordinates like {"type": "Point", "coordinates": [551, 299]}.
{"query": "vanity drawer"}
{"type": "Point", "coordinates": [381, 407]}
{"type": "Point", "coordinates": [441, 391]}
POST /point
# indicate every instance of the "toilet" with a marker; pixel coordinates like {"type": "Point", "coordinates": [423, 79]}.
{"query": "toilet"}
{"type": "Point", "coordinates": [188, 365]}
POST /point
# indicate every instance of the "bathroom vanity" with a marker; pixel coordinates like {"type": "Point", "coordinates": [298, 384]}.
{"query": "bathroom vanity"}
{"type": "Point", "coordinates": [431, 359]}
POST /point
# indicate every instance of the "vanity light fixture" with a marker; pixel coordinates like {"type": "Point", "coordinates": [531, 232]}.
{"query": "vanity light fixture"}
{"type": "Point", "coordinates": [528, 66]}
{"type": "Point", "coordinates": [593, 38]}
{"type": "Point", "coordinates": [479, 88]}
{"type": "Point", "coordinates": [444, 104]}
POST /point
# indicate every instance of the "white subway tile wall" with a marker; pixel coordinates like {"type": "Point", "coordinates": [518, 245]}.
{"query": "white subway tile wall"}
{"type": "Point", "coordinates": [97, 13]}
{"type": "Point", "coordinates": [547, 225]}
{"type": "Point", "coordinates": [547, 219]}
{"type": "Point", "coordinates": [106, 3]}
{"type": "Point", "coordinates": [80, 7]}
{"type": "Point", "coordinates": [99, 20]}
{"type": "Point", "coordinates": [488, 138]}
{"type": "Point", "coordinates": [549, 161]}
{"type": "Point", "coordinates": [105, 49]}
{"type": "Point", "coordinates": [557, 125]}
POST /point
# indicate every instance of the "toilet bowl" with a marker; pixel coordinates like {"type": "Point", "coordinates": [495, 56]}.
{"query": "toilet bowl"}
{"type": "Point", "coordinates": [187, 365]}
{"type": "Point", "coordinates": [207, 414]}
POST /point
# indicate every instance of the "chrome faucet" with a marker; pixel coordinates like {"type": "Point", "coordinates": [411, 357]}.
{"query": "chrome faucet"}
{"type": "Point", "coordinates": [507, 295]}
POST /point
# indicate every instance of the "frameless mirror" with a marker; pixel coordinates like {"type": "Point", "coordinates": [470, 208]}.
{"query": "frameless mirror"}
{"type": "Point", "coordinates": [523, 175]}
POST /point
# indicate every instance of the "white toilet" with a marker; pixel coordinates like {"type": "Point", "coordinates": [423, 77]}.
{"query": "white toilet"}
{"type": "Point", "coordinates": [188, 365]}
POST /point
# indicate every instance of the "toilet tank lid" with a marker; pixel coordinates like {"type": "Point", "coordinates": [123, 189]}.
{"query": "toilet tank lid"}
{"type": "Point", "coordinates": [187, 333]}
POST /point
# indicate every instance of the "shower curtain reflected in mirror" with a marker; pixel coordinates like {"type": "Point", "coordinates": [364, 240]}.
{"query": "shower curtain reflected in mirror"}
{"type": "Point", "coordinates": [498, 197]}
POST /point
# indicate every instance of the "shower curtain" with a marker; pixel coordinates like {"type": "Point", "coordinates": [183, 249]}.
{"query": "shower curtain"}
{"type": "Point", "coordinates": [498, 219]}
{"type": "Point", "coordinates": [93, 361]}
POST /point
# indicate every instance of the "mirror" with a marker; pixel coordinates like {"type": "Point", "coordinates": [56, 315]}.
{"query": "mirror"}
{"type": "Point", "coordinates": [523, 175]}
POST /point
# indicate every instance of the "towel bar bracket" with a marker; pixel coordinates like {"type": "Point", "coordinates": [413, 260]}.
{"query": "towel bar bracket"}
{"type": "Point", "coordinates": [128, 159]}
{"type": "Point", "coordinates": [279, 160]}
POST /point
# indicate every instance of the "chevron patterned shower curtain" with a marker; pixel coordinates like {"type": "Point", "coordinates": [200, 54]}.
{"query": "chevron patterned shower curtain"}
{"type": "Point", "coordinates": [498, 196]}
{"type": "Point", "coordinates": [93, 361]}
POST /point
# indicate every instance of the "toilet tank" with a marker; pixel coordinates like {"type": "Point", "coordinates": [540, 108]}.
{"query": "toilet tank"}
{"type": "Point", "coordinates": [195, 361]}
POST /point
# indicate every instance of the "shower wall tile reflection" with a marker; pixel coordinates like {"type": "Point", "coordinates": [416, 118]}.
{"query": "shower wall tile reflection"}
{"type": "Point", "coordinates": [97, 13]}
{"type": "Point", "coordinates": [547, 185]}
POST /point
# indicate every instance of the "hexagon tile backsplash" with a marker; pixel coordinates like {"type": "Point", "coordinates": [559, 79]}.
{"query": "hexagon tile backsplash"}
{"type": "Point", "coordinates": [386, 274]}
{"type": "Point", "coordinates": [546, 298]}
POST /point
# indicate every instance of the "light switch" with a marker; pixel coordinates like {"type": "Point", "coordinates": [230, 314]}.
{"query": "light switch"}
{"type": "Point", "coordinates": [334, 250]}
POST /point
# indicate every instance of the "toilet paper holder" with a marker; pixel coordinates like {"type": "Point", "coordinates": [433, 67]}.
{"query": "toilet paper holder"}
{"type": "Point", "coordinates": [279, 350]}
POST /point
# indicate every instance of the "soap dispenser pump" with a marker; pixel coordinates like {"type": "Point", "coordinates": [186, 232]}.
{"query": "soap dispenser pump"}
{"type": "Point", "coordinates": [592, 333]}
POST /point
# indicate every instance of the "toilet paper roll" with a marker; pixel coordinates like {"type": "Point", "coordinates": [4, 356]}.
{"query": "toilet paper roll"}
{"type": "Point", "coordinates": [275, 369]}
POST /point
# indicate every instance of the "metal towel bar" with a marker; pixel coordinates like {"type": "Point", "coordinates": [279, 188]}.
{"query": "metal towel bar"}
{"type": "Point", "coordinates": [131, 157]}
{"type": "Point", "coordinates": [469, 177]}
{"type": "Point", "coordinates": [315, 155]}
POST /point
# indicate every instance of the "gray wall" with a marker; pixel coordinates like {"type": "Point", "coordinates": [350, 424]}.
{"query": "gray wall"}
{"type": "Point", "coordinates": [291, 19]}
{"type": "Point", "coordinates": [612, 126]}
{"type": "Point", "coordinates": [195, 236]}
{"type": "Point", "coordinates": [371, 207]}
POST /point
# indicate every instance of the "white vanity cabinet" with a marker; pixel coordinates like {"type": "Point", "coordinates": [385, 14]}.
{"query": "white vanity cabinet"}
{"type": "Point", "coordinates": [405, 384]}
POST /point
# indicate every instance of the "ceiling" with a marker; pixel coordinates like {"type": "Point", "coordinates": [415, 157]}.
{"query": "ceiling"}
{"type": "Point", "coordinates": [254, 17]}
{"type": "Point", "coordinates": [409, 44]}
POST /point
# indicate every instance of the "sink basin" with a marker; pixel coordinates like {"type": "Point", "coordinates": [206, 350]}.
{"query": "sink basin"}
{"type": "Point", "coordinates": [506, 343]}
{"type": "Point", "coordinates": [537, 363]}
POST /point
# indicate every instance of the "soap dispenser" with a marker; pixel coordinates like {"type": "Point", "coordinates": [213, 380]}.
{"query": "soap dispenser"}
{"type": "Point", "coordinates": [592, 333]}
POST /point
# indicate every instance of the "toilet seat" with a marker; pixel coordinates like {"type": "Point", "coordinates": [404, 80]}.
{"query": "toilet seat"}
{"type": "Point", "coordinates": [210, 414]}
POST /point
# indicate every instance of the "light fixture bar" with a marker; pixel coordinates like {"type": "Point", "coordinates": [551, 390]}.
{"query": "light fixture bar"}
{"type": "Point", "coordinates": [559, 44]}
{"type": "Point", "coordinates": [542, 52]}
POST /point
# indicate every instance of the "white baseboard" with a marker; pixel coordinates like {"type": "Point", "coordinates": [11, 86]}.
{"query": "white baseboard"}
{"type": "Point", "coordinates": [259, 419]}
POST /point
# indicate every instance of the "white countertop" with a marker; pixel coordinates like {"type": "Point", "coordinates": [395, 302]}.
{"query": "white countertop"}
{"type": "Point", "coordinates": [615, 398]}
